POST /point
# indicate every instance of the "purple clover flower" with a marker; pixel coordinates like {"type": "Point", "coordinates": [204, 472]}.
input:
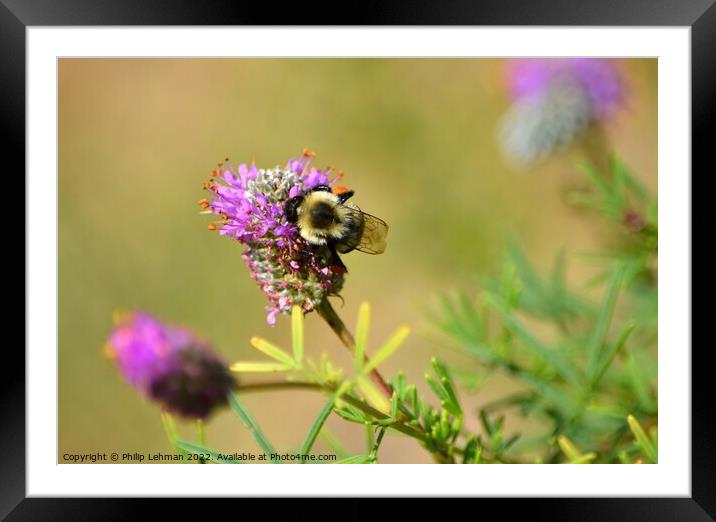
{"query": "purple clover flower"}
{"type": "Point", "coordinates": [250, 202]}
{"type": "Point", "coordinates": [169, 365]}
{"type": "Point", "coordinates": [554, 100]}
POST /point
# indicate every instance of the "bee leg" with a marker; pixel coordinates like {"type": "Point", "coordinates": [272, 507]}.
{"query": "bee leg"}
{"type": "Point", "coordinates": [336, 262]}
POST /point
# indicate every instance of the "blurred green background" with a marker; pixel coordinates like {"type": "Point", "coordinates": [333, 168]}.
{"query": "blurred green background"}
{"type": "Point", "coordinates": [416, 138]}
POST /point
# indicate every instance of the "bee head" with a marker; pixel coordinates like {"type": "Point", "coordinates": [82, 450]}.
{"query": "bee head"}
{"type": "Point", "coordinates": [342, 192]}
{"type": "Point", "coordinates": [290, 209]}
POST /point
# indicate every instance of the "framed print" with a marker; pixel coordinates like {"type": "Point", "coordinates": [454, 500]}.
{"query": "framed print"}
{"type": "Point", "coordinates": [254, 252]}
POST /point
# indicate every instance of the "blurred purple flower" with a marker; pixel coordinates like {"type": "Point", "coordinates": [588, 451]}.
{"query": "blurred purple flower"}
{"type": "Point", "coordinates": [250, 203]}
{"type": "Point", "coordinates": [598, 78]}
{"type": "Point", "coordinates": [169, 365]}
{"type": "Point", "coordinates": [556, 99]}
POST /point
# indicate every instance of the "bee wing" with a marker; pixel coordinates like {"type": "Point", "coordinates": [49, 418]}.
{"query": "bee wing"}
{"type": "Point", "coordinates": [374, 232]}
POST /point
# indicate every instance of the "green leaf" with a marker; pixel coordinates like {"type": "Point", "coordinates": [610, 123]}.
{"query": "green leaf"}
{"type": "Point", "coordinates": [440, 370]}
{"type": "Point", "coordinates": [510, 443]}
{"type": "Point", "coordinates": [297, 333]}
{"type": "Point", "coordinates": [374, 396]}
{"type": "Point", "coordinates": [587, 458]}
{"type": "Point", "coordinates": [361, 341]}
{"type": "Point", "coordinates": [214, 455]}
{"type": "Point", "coordinates": [604, 317]}
{"type": "Point", "coordinates": [316, 428]}
{"type": "Point", "coordinates": [169, 427]}
{"type": "Point", "coordinates": [620, 170]}
{"type": "Point", "coordinates": [376, 446]}
{"type": "Point", "coordinates": [469, 330]}
{"type": "Point", "coordinates": [638, 380]}
{"type": "Point", "coordinates": [171, 431]}
{"type": "Point", "coordinates": [259, 367]}
{"type": "Point", "coordinates": [351, 416]}
{"type": "Point", "coordinates": [584, 201]}
{"type": "Point", "coordinates": [654, 435]}
{"type": "Point", "coordinates": [642, 440]}
{"type": "Point", "coordinates": [437, 390]}
{"type": "Point", "coordinates": [469, 379]}
{"type": "Point", "coordinates": [355, 459]}
{"type": "Point", "coordinates": [369, 437]}
{"type": "Point", "coordinates": [446, 384]}
{"type": "Point", "coordinates": [555, 359]}
{"type": "Point", "coordinates": [387, 349]}
{"type": "Point", "coordinates": [572, 452]}
{"type": "Point", "coordinates": [454, 322]}
{"type": "Point", "coordinates": [414, 402]}
{"type": "Point", "coordinates": [394, 406]}
{"type": "Point", "coordinates": [608, 357]}
{"type": "Point", "coordinates": [333, 443]}
{"type": "Point", "coordinates": [470, 453]}
{"type": "Point", "coordinates": [201, 432]}
{"type": "Point", "coordinates": [593, 175]}
{"type": "Point", "coordinates": [272, 351]}
{"type": "Point", "coordinates": [486, 424]}
{"type": "Point", "coordinates": [551, 393]}
{"type": "Point", "coordinates": [250, 423]}
{"type": "Point", "coordinates": [399, 385]}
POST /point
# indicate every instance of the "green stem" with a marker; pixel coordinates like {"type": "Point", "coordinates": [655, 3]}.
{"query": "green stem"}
{"type": "Point", "coordinates": [440, 454]}
{"type": "Point", "coordinates": [365, 408]}
{"type": "Point", "coordinates": [201, 432]}
{"type": "Point", "coordinates": [328, 314]}
{"type": "Point", "coordinates": [201, 435]}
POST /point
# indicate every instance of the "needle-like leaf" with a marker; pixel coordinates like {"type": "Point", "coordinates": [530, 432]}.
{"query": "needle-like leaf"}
{"type": "Point", "coordinates": [272, 351]}
{"type": "Point", "coordinates": [297, 333]}
{"type": "Point", "coordinates": [642, 440]}
{"type": "Point", "coordinates": [316, 428]}
{"type": "Point", "coordinates": [259, 367]}
{"type": "Point", "coordinates": [387, 349]}
{"type": "Point", "coordinates": [250, 423]}
{"type": "Point", "coordinates": [197, 449]}
{"type": "Point", "coordinates": [361, 341]}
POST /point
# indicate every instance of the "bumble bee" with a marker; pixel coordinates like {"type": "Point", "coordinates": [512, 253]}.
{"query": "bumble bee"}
{"type": "Point", "coordinates": [332, 227]}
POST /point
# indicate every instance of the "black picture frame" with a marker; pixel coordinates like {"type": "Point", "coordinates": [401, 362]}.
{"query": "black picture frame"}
{"type": "Point", "coordinates": [699, 15]}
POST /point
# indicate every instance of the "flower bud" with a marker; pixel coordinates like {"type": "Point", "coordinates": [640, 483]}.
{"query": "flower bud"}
{"type": "Point", "coordinates": [170, 365]}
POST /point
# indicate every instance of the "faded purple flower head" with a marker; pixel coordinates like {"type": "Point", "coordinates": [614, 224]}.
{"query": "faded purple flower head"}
{"type": "Point", "coordinates": [598, 78]}
{"type": "Point", "coordinates": [169, 365]}
{"type": "Point", "coordinates": [250, 202]}
{"type": "Point", "coordinates": [556, 99]}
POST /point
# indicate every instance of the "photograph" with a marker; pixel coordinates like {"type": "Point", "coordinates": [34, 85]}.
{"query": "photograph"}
{"type": "Point", "coordinates": [357, 260]}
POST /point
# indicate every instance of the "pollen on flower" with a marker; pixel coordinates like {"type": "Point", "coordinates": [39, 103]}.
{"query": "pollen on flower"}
{"type": "Point", "coordinates": [250, 202]}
